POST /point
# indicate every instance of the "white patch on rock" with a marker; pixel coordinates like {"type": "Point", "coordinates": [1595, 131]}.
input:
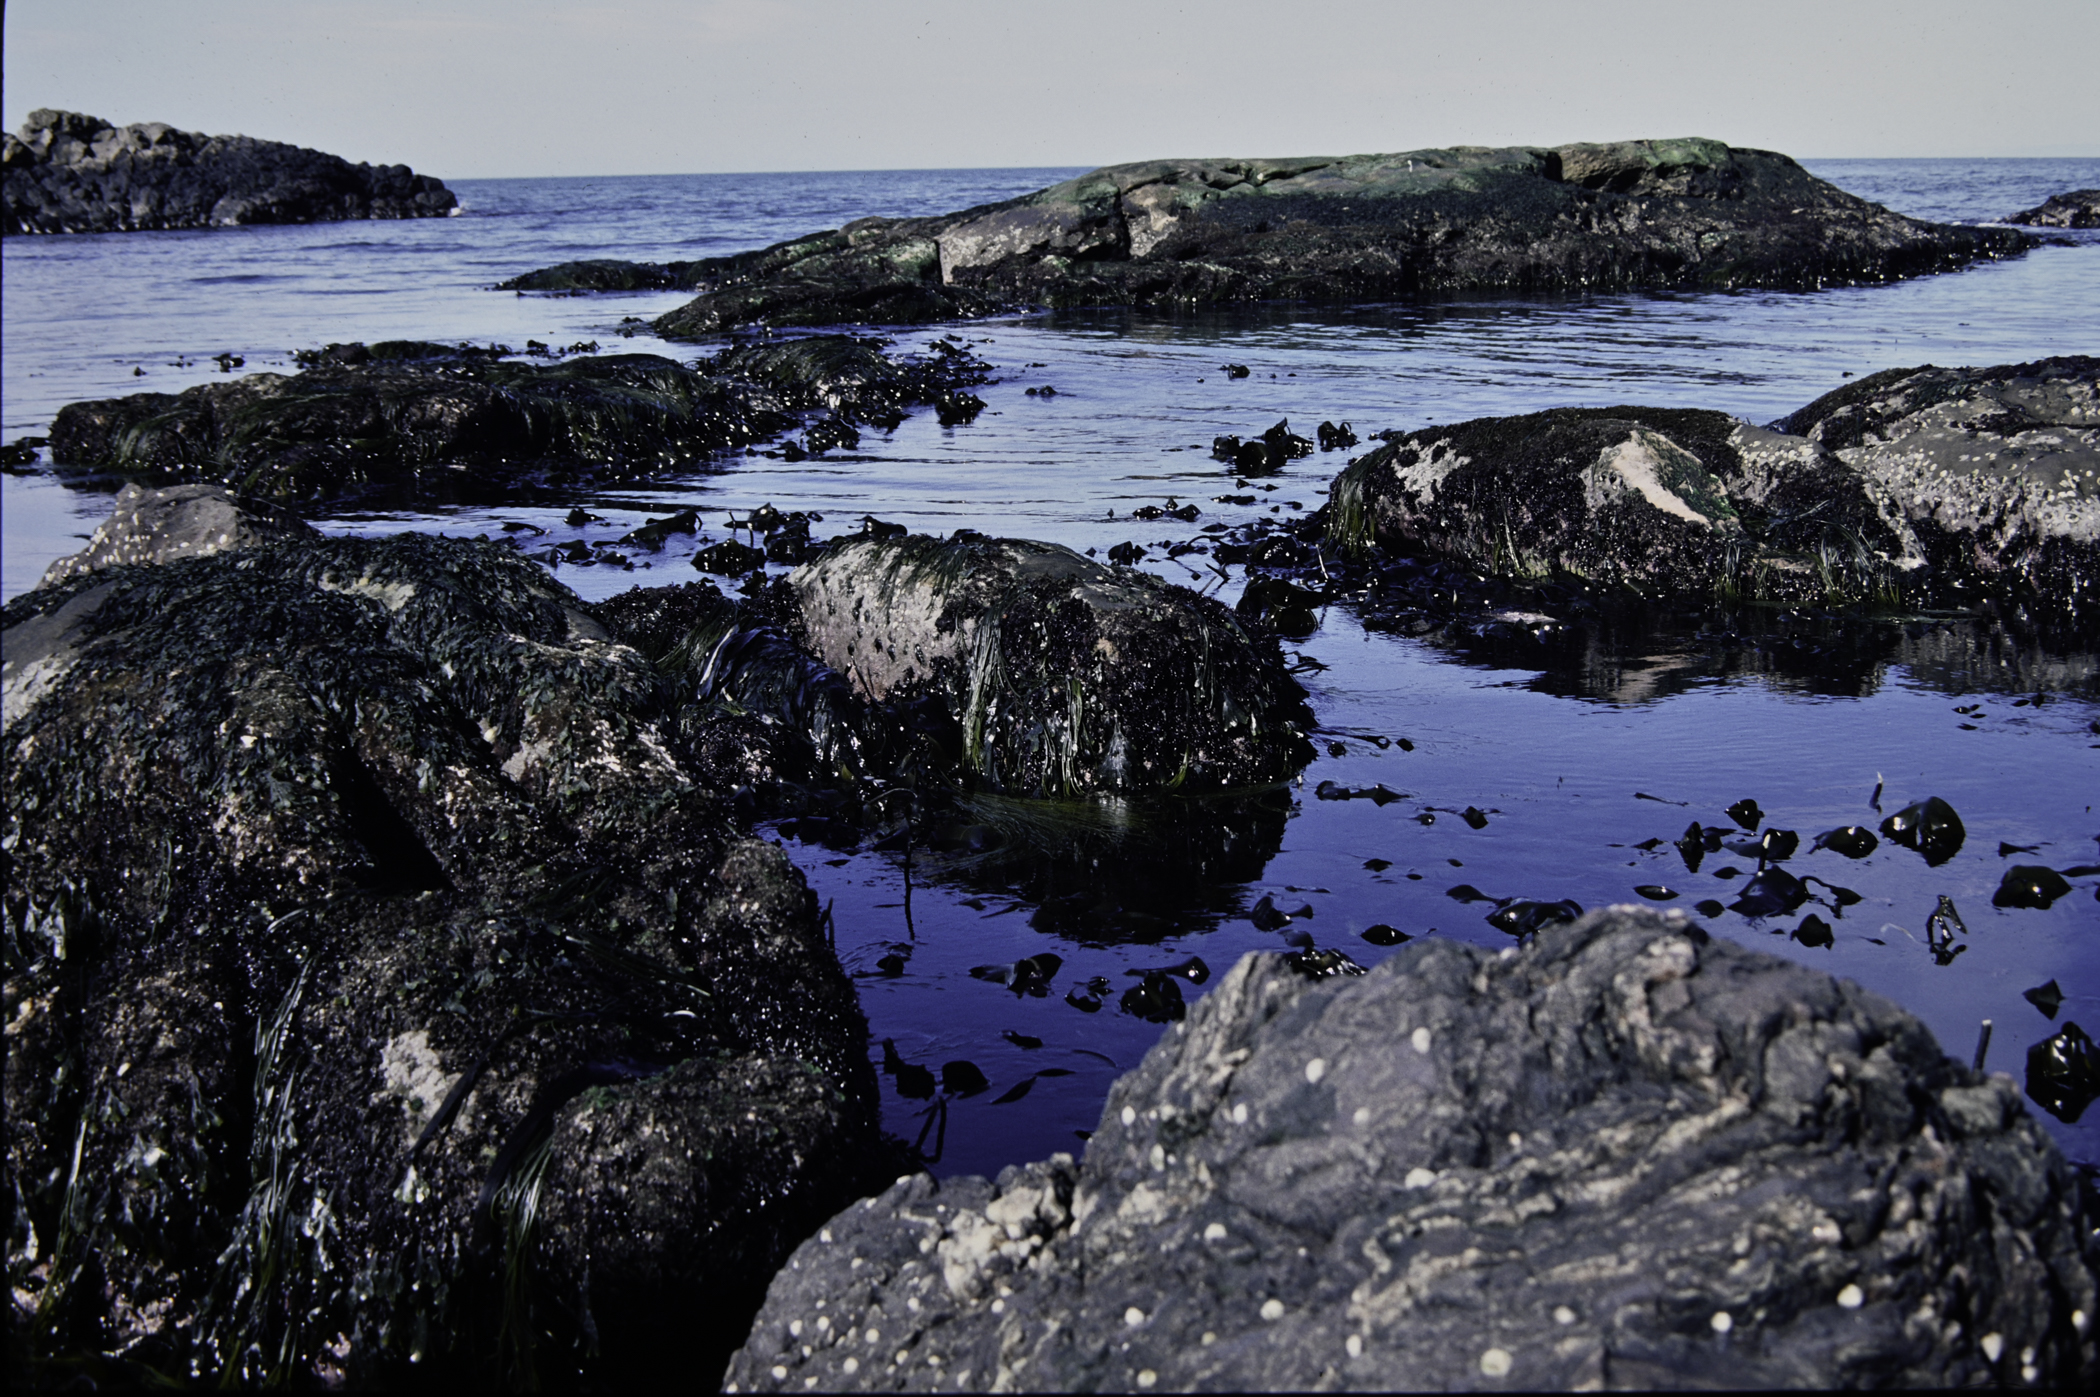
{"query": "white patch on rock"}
{"type": "Point", "coordinates": [1637, 466]}
{"type": "Point", "coordinates": [413, 1072]}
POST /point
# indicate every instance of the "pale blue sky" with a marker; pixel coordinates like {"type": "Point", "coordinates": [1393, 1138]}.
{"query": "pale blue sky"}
{"type": "Point", "coordinates": [464, 88]}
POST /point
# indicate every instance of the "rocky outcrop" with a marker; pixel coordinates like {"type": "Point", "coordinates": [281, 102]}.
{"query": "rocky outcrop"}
{"type": "Point", "coordinates": [420, 420]}
{"type": "Point", "coordinates": [2078, 208]}
{"type": "Point", "coordinates": [1689, 214]}
{"type": "Point", "coordinates": [150, 526]}
{"type": "Point", "coordinates": [1065, 676]}
{"type": "Point", "coordinates": [390, 991]}
{"type": "Point", "coordinates": [72, 173]}
{"type": "Point", "coordinates": [606, 274]}
{"type": "Point", "coordinates": [1624, 1155]}
{"type": "Point", "coordinates": [1922, 486]}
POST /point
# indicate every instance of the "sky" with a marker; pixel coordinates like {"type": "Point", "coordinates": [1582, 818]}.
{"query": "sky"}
{"type": "Point", "coordinates": [476, 88]}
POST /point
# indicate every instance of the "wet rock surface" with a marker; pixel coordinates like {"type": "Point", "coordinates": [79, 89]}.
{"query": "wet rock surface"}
{"type": "Point", "coordinates": [426, 421]}
{"type": "Point", "coordinates": [150, 526]}
{"type": "Point", "coordinates": [1665, 213]}
{"type": "Point", "coordinates": [1916, 486]}
{"type": "Point", "coordinates": [390, 990]}
{"type": "Point", "coordinates": [1063, 675]}
{"type": "Point", "coordinates": [72, 173]}
{"type": "Point", "coordinates": [1624, 1155]}
{"type": "Point", "coordinates": [2077, 208]}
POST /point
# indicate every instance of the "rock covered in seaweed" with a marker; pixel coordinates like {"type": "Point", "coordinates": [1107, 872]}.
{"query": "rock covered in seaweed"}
{"type": "Point", "coordinates": [1920, 486]}
{"type": "Point", "coordinates": [72, 173]}
{"type": "Point", "coordinates": [389, 988]}
{"type": "Point", "coordinates": [423, 419]}
{"type": "Point", "coordinates": [1688, 213]}
{"type": "Point", "coordinates": [150, 526]}
{"type": "Point", "coordinates": [1626, 1155]}
{"type": "Point", "coordinates": [2076, 208]}
{"type": "Point", "coordinates": [1066, 676]}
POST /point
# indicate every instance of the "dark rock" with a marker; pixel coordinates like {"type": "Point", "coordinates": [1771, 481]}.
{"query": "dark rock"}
{"type": "Point", "coordinates": [428, 420]}
{"type": "Point", "coordinates": [1691, 214]}
{"type": "Point", "coordinates": [2078, 208]}
{"type": "Point", "coordinates": [182, 521]}
{"type": "Point", "coordinates": [1925, 486]}
{"type": "Point", "coordinates": [71, 173]}
{"type": "Point", "coordinates": [1931, 826]}
{"type": "Point", "coordinates": [605, 274]}
{"type": "Point", "coordinates": [1627, 1155]}
{"type": "Point", "coordinates": [1066, 677]}
{"type": "Point", "coordinates": [392, 996]}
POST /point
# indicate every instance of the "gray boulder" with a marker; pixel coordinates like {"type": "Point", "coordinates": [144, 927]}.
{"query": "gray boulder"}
{"type": "Point", "coordinates": [1624, 1155]}
{"type": "Point", "coordinates": [1688, 213]}
{"type": "Point", "coordinates": [181, 521]}
{"type": "Point", "coordinates": [390, 990]}
{"type": "Point", "coordinates": [2077, 208]}
{"type": "Point", "coordinates": [1067, 677]}
{"type": "Point", "coordinates": [72, 173]}
{"type": "Point", "coordinates": [1922, 486]}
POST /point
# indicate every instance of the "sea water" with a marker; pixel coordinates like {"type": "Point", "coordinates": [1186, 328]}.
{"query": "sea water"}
{"type": "Point", "coordinates": [1576, 752]}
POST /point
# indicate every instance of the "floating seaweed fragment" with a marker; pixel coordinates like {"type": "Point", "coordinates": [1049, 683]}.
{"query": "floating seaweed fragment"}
{"type": "Point", "coordinates": [1708, 907]}
{"type": "Point", "coordinates": [1852, 841]}
{"type": "Point", "coordinates": [2063, 1073]}
{"type": "Point", "coordinates": [2048, 998]}
{"type": "Point", "coordinates": [1378, 865]}
{"type": "Point", "coordinates": [1017, 1090]}
{"type": "Point", "coordinates": [1383, 935]}
{"type": "Point", "coordinates": [963, 1078]}
{"type": "Point", "coordinates": [1746, 813]}
{"type": "Point", "coordinates": [1029, 975]}
{"type": "Point", "coordinates": [1021, 1040]}
{"type": "Point", "coordinates": [2006, 851]}
{"type": "Point", "coordinates": [1771, 893]}
{"type": "Point", "coordinates": [1155, 999]}
{"type": "Point", "coordinates": [1930, 826]}
{"type": "Point", "coordinates": [2030, 885]}
{"type": "Point", "coordinates": [729, 558]}
{"type": "Point", "coordinates": [1267, 916]}
{"type": "Point", "coordinates": [1192, 970]}
{"type": "Point", "coordinates": [1655, 892]}
{"type": "Point", "coordinates": [913, 1081]}
{"type": "Point", "coordinates": [1940, 929]}
{"type": "Point", "coordinates": [1524, 918]}
{"type": "Point", "coordinates": [1474, 817]}
{"type": "Point", "coordinates": [1323, 964]}
{"type": "Point", "coordinates": [1466, 892]}
{"type": "Point", "coordinates": [1659, 800]}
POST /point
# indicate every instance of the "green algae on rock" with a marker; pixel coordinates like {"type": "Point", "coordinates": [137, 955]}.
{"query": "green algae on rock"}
{"type": "Point", "coordinates": [1068, 677]}
{"type": "Point", "coordinates": [430, 420]}
{"type": "Point", "coordinates": [390, 989]}
{"type": "Point", "coordinates": [1686, 214]}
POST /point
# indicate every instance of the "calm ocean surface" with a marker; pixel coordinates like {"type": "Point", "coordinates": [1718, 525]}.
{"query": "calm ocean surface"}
{"type": "Point", "coordinates": [1552, 747]}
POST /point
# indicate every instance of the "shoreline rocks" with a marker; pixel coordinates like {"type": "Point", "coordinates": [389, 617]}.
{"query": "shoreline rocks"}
{"type": "Point", "coordinates": [392, 993]}
{"type": "Point", "coordinates": [1065, 676]}
{"type": "Point", "coordinates": [1687, 214]}
{"type": "Point", "coordinates": [68, 172]}
{"type": "Point", "coordinates": [1921, 486]}
{"type": "Point", "coordinates": [2077, 208]}
{"type": "Point", "coordinates": [149, 526]}
{"type": "Point", "coordinates": [1626, 1154]}
{"type": "Point", "coordinates": [428, 420]}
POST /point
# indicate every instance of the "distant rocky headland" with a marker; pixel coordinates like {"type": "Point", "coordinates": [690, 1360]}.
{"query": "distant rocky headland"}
{"type": "Point", "coordinates": [72, 173]}
{"type": "Point", "coordinates": [1688, 214]}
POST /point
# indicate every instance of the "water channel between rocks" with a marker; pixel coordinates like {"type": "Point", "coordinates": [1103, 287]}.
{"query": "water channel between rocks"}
{"type": "Point", "coordinates": [1575, 748]}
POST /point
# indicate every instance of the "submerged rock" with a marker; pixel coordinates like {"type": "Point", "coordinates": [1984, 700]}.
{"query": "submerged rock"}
{"type": "Point", "coordinates": [390, 990]}
{"type": "Point", "coordinates": [1066, 676]}
{"type": "Point", "coordinates": [72, 173]}
{"type": "Point", "coordinates": [182, 521]}
{"type": "Point", "coordinates": [430, 420]}
{"type": "Point", "coordinates": [1668, 213]}
{"type": "Point", "coordinates": [1920, 486]}
{"type": "Point", "coordinates": [1627, 1155]}
{"type": "Point", "coordinates": [2077, 208]}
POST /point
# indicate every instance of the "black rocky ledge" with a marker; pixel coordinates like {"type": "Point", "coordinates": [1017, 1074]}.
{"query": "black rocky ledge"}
{"type": "Point", "coordinates": [2077, 208]}
{"type": "Point", "coordinates": [72, 173]}
{"type": "Point", "coordinates": [1686, 214]}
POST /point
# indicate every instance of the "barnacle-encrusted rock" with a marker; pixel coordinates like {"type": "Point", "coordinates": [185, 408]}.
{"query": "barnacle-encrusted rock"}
{"type": "Point", "coordinates": [441, 421]}
{"type": "Point", "coordinates": [1688, 213]}
{"type": "Point", "coordinates": [388, 987]}
{"type": "Point", "coordinates": [2076, 208]}
{"type": "Point", "coordinates": [1926, 486]}
{"type": "Point", "coordinates": [1068, 677]}
{"type": "Point", "coordinates": [182, 521]}
{"type": "Point", "coordinates": [1626, 1155]}
{"type": "Point", "coordinates": [72, 173]}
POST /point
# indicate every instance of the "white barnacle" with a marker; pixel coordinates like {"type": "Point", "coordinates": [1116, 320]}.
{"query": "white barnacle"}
{"type": "Point", "coordinates": [1316, 1069]}
{"type": "Point", "coordinates": [874, 1336]}
{"type": "Point", "coordinates": [1851, 1298]}
{"type": "Point", "coordinates": [795, 1327]}
{"type": "Point", "coordinates": [1133, 1316]}
{"type": "Point", "coordinates": [1130, 1115]}
{"type": "Point", "coordinates": [1215, 1232]}
{"type": "Point", "coordinates": [779, 1371]}
{"type": "Point", "coordinates": [1722, 1321]}
{"type": "Point", "coordinates": [1563, 1315]}
{"type": "Point", "coordinates": [1362, 1116]}
{"type": "Point", "coordinates": [1418, 1177]}
{"type": "Point", "coordinates": [850, 1366]}
{"type": "Point", "coordinates": [1496, 1363]}
{"type": "Point", "coordinates": [1420, 1038]}
{"type": "Point", "coordinates": [1993, 1346]}
{"type": "Point", "coordinates": [1239, 1113]}
{"type": "Point", "coordinates": [1147, 1377]}
{"type": "Point", "coordinates": [1355, 1345]}
{"type": "Point", "coordinates": [1272, 1309]}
